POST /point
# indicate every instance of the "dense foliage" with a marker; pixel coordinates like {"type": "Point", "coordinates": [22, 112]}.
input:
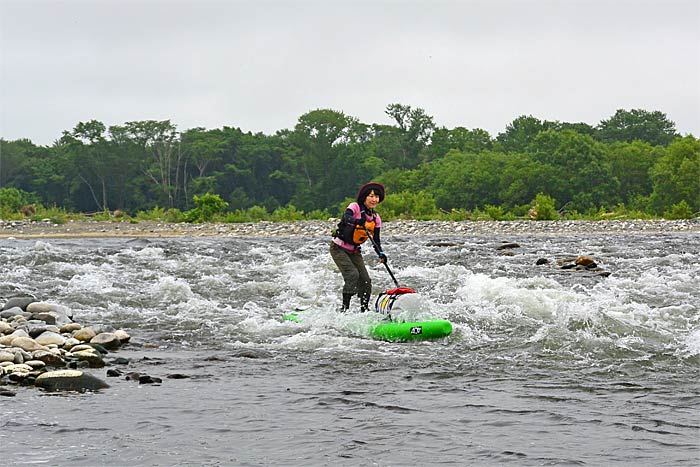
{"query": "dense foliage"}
{"type": "Point", "coordinates": [634, 162]}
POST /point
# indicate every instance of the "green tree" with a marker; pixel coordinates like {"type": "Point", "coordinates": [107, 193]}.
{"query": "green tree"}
{"type": "Point", "coordinates": [412, 135]}
{"type": "Point", "coordinates": [131, 187]}
{"type": "Point", "coordinates": [93, 161]}
{"type": "Point", "coordinates": [466, 180]}
{"type": "Point", "coordinates": [16, 159]}
{"type": "Point", "coordinates": [205, 149]}
{"type": "Point", "coordinates": [676, 176]}
{"type": "Point", "coordinates": [637, 125]}
{"type": "Point", "coordinates": [408, 204]}
{"type": "Point", "coordinates": [459, 138]}
{"type": "Point", "coordinates": [206, 208]}
{"type": "Point", "coordinates": [328, 144]}
{"type": "Point", "coordinates": [582, 178]}
{"type": "Point", "coordinates": [543, 208]}
{"type": "Point", "coordinates": [164, 163]}
{"type": "Point", "coordinates": [579, 127]}
{"type": "Point", "coordinates": [630, 165]}
{"type": "Point", "coordinates": [13, 199]}
{"type": "Point", "coordinates": [521, 132]}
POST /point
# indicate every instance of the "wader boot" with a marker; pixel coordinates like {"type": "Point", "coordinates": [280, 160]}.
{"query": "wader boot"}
{"type": "Point", "coordinates": [364, 303]}
{"type": "Point", "coordinates": [346, 302]}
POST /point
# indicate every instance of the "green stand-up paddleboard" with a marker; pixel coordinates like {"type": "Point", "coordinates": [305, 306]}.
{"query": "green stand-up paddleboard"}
{"type": "Point", "coordinates": [412, 330]}
{"type": "Point", "coordinates": [396, 330]}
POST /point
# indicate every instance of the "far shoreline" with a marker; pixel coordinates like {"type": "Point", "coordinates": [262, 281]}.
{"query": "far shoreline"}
{"type": "Point", "coordinates": [316, 228]}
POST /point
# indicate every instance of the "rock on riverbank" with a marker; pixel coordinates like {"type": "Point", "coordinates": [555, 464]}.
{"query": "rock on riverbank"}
{"type": "Point", "coordinates": [30, 229]}
{"type": "Point", "coordinates": [38, 338]}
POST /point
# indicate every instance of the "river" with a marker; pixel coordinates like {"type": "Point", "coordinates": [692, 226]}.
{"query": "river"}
{"type": "Point", "coordinates": [545, 366]}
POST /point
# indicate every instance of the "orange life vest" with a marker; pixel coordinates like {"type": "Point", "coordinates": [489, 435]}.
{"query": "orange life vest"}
{"type": "Point", "coordinates": [355, 234]}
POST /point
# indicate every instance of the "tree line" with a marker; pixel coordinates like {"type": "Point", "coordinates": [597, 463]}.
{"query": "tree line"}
{"type": "Point", "coordinates": [635, 159]}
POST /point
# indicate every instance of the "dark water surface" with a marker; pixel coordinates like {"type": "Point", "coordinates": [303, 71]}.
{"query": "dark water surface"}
{"type": "Point", "coordinates": [545, 367]}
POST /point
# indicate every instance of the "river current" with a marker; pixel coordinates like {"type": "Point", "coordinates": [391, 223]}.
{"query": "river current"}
{"type": "Point", "coordinates": [545, 366]}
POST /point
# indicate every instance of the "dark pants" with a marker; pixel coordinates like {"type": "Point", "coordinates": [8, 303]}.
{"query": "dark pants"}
{"type": "Point", "coordinates": [354, 272]}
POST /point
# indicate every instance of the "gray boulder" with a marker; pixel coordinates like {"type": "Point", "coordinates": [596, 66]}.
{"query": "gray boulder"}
{"type": "Point", "coordinates": [21, 301]}
{"type": "Point", "coordinates": [69, 380]}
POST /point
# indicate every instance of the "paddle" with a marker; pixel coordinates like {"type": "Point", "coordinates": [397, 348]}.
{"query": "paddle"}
{"type": "Point", "coordinates": [376, 248]}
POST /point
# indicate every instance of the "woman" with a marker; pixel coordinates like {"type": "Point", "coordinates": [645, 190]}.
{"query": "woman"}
{"type": "Point", "coordinates": [359, 221]}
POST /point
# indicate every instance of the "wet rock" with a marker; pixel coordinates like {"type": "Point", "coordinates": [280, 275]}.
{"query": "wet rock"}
{"type": "Point", "coordinates": [52, 317]}
{"type": "Point", "coordinates": [48, 357]}
{"type": "Point", "coordinates": [108, 340]}
{"type": "Point", "coordinates": [120, 361]}
{"type": "Point", "coordinates": [92, 358]}
{"type": "Point", "coordinates": [11, 312]}
{"type": "Point", "coordinates": [251, 353]}
{"type": "Point", "coordinates": [49, 337]}
{"type": "Point", "coordinates": [17, 368]}
{"type": "Point", "coordinates": [122, 335]}
{"type": "Point", "coordinates": [585, 261]}
{"type": "Point", "coordinates": [78, 364]}
{"type": "Point", "coordinates": [36, 364]}
{"type": "Point", "coordinates": [51, 309]}
{"type": "Point", "coordinates": [177, 376]}
{"type": "Point", "coordinates": [70, 328]}
{"type": "Point", "coordinates": [507, 246]}
{"type": "Point", "coordinates": [6, 393]}
{"type": "Point", "coordinates": [442, 244]}
{"type": "Point", "coordinates": [84, 334]}
{"type": "Point", "coordinates": [6, 356]}
{"type": "Point", "coordinates": [542, 261]}
{"type": "Point", "coordinates": [5, 340]}
{"type": "Point", "coordinates": [5, 328]}
{"type": "Point", "coordinates": [113, 372]}
{"type": "Point", "coordinates": [21, 356]}
{"type": "Point", "coordinates": [146, 379]}
{"type": "Point", "coordinates": [69, 380]}
{"type": "Point", "coordinates": [81, 347]}
{"type": "Point", "coordinates": [70, 343]}
{"type": "Point", "coordinates": [18, 376]}
{"type": "Point", "coordinates": [97, 347]}
{"type": "Point", "coordinates": [35, 328]}
{"type": "Point", "coordinates": [19, 301]}
{"type": "Point", "coordinates": [27, 343]}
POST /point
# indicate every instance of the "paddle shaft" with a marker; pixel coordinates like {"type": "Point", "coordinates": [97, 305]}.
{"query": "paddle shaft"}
{"type": "Point", "coordinates": [376, 248]}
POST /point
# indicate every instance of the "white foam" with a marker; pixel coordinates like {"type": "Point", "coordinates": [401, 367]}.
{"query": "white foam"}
{"type": "Point", "coordinates": [691, 344]}
{"type": "Point", "coordinates": [170, 289]}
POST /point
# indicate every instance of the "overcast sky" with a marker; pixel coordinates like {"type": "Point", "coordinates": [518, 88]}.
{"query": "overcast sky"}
{"type": "Point", "coordinates": [260, 65]}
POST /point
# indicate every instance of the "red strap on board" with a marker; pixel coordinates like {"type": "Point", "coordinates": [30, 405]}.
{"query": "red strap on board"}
{"type": "Point", "coordinates": [400, 291]}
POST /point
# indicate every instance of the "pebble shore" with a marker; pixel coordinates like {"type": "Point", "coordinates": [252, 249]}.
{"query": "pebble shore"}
{"type": "Point", "coordinates": [41, 345]}
{"type": "Point", "coordinates": [92, 229]}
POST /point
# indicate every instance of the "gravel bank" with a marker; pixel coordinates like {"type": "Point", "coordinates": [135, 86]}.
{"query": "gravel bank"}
{"type": "Point", "coordinates": [92, 229]}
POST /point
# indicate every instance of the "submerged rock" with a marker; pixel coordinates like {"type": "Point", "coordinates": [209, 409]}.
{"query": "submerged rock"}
{"type": "Point", "coordinates": [69, 380]}
{"type": "Point", "coordinates": [586, 261]}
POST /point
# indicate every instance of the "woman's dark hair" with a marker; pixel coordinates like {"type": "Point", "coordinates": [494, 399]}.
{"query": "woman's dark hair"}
{"type": "Point", "coordinates": [367, 188]}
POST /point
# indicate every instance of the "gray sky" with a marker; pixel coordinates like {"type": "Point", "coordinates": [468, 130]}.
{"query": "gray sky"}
{"type": "Point", "coordinates": [260, 65]}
